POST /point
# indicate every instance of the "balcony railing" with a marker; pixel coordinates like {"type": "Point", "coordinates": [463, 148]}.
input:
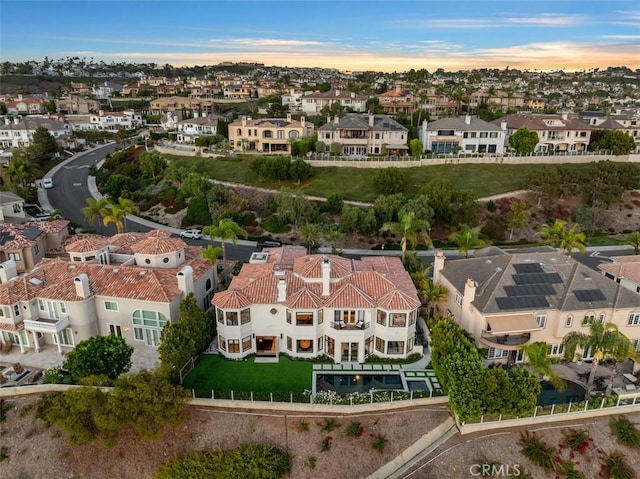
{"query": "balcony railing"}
{"type": "Point", "coordinates": [44, 325]}
{"type": "Point", "coordinates": [508, 342]}
{"type": "Point", "coordinates": [350, 326]}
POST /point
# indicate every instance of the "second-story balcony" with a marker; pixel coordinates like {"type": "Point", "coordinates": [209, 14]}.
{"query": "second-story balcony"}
{"type": "Point", "coordinates": [350, 326]}
{"type": "Point", "coordinates": [505, 342]}
{"type": "Point", "coordinates": [46, 325]}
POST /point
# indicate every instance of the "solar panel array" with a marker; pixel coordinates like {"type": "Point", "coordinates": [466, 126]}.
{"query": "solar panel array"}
{"type": "Point", "coordinates": [5, 237]}
{"type": "Point", "coordinates": [31, 232]}
{"type": "Point", "coordinates": [589, 295]}
{"type": "Point", "coordinates": [531, 288]}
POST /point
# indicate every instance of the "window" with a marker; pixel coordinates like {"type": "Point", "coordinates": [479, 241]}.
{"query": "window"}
{"type": "Point", "coordinates": [568, 322]}
{"type": "Point", "coordinates": [66, 337]}
{"type": "Point", "coordinates": [458, 299]}
{"type": "Point", "coordinates": [602, 317]}
{"type": "Point", "coordinates": [280, 134]}
{"type": "Point", "coordinates": [410, 344]}
{"type": "Point", "coordinates": [541, 319]}
{"type": "Point", "coordinates": [14, 256]}
{"type": "Point", "coordinates": [320, 316]}
{"type": "Point", "coordinates": [246, 343]}
{"type": "Point", "coordinates": [245, 316]}
{"type": "Point", "coordinates": [556, 349]}
{"type": "Point", "coordinates": [381, 317]}
{"type": "Point", "coordinates": [233, 345]}
{"type": "Point", "coordinates": [63, 308]}
{"type": "Point", "coordinates": [16, 310]}
{"type": "Point", "coordinates": [380, 345]}
{"type": "Point", "coordinates": [293, 134]}
{"type": "Point", "coordinates": [412, 317]}
{"type": "Point", "coordinates": [634, 319]}
{"type": "Point", "coordinates": [165, 260]}
{"type": "Point", "coordinates": [115, 330]}
{"type": "Point", "coordinates": [41, 305]}
{"type": "Point", "coordinates": [395, 347]}
{"type": "Point", "coordinates": [483, 134]}
{"type": "Point", "coordinates": [331, 346]}
{"type": "Point", "coordinates": [636, 345]}
{"type": "Point", "coordinates": [304, 319]}
{"type": "Point", "coordinates": [222, 343]}
{"type": "Point", "coordinates": [232, 318]}
{"type": "Point", "coordinates": [289, 342]}
{"type": "Point", "coordinates": [207, 285]}
{"type": "Point", "coordinates": [220, 315]}
{"type": "Point", "coordinates": [36, 250]}
{"type": "Point", "coordinates": [497, 353]}
{"type": "Point", "coordinates": [397, 320]}
{"type": "Point", "coordinates": [289, 316]}
{"type": "Point", "coordinates": [320, 343]}
{"type": "Point", "coordinates": [304, 345]}
{"type": "Point", "coordinates": [147, 326]}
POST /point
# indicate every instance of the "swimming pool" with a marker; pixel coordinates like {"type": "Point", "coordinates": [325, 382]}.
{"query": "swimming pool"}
{"type": "Point", "coordinates": [550, 395]}
{"type": "Point", "coordinates": [360, 382]}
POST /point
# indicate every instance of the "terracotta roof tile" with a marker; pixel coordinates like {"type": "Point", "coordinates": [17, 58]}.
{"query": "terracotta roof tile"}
{"type": "Point", "coordinates": [85, 245]}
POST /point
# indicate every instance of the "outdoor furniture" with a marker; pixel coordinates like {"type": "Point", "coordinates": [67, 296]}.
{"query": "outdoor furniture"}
{"type": "Point", "coordinates": [17, 367]}
{"type": "Point", "coordinates": [6, 347]}
{"type": "Point", "coordinates": [360, 324]}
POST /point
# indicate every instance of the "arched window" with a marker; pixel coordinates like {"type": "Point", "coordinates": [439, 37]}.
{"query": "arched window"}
{"type": "Point", "coordinates": [147, 326]}
{"type": "Point", "coordinates": [239, 132]}
{"type": "Point", "coordinates": [207, 285]}
{"type": "Point", "coordinates": [293, 134]}
{"type": "Point", "coordinates": [569, 321]}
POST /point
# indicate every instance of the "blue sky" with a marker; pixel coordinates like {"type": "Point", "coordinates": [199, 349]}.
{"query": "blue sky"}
{"type": "Point", "coordinates": [350, 35]}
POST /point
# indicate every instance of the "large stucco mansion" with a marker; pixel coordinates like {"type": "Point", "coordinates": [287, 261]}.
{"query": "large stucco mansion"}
{"type": "Point", "coordinates": [129, 285]}
{"type": "Point", "coordinates": [309, 305]}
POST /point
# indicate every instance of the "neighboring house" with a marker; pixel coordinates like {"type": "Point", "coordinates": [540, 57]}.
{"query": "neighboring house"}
{"type": "Point", "coordinates": [106, 90]}
{"type": "Point", "coordinates": [18, 133]}
{"type": "Point", "coordinates": [181, 105]}
{"type": "Point", "coordinates": [629, 123]}
{"type": "Point", "coordinates": [26, 244]}
{"type": "Point", "coordinates": [169, 121]}
{"type": "Point", "coordinates": [25, 106]}
{"type": "Point", "coordinates": [506, 301]}
{"type": "Point", "coordinates": [129, 285]}
{"type": "Point", "coordinates": [11, 206]}
{"type": "Point", "coordinates": [75, 105]}
{"type": "Point", "coordinates": [313, 103]}
{"type": "Point", "coordinates": [466, 134]}
{"type": "Point", "coordinates": [624, 270]}
{"type": "Point", "coordinates": [78, 88]}
{"type": "Point", "coordinates": [535, 103]}
{"type": "Point", "coordinates": [556, 133]}
{"type": "Point", "coordinates": [398, 100]}
{"type": "Point", "coordinates": [286, 301]}
{"type": "Point", "coordinates": [268, 135]}
{"type": "Point", "coordinates": [437, 103]}
{"type": "Point", "coordinates": [238, 91]}
{"type": "Point", "coordinates": [110, 121]}
{"type": "Point", "coordinates": [293, 99]}
{"type": "Point", "coordinates": [364, 134]}
{"type": "Point", "coordinates": [498, 98]}
{"type": "Point", "coordinates": [189, 130]}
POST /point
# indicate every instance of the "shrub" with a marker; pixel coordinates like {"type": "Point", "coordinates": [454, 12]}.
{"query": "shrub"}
{"type": "Point", "coordinates": [537, 451]}
{"type": "Point", "coordinates": [197, 212]}
{"type": "Point", "coordinates": [354, 429]}
{"type": "Point", "coordinates": [615, 467]}
{"type": "Point", "coordinates": [626, 433]}
{"type": "Point", "coordinates": [4, 453]}
{"type": "Point", "coordinates": [329, 425]}
{"type": "Point", "coordinates": [325, 444]}
{"type": "Point", "coordinates": [576, 439]}
{"type": "Point", "coordinates": [379, 443]}
{"type": "Point", "coordinates": [311, 462]}
{"type": "Point", "coordinates": [5, 407]}
{"type": "Point", "coordinates": [303, 426]}
{"type": "Point", "coordinates": [275, 224]}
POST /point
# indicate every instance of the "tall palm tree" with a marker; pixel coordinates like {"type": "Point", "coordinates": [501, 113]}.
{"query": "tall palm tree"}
{"type": "Point", "coordinates": [634, 240]}
{"type": "Point", "coordinates": [411, 229]}
{"type": "Point", "coordinates": [602, 340]}
{"type": "Point", "coordinates": [466, 239]}
{"type": "Point", "coordinates": [552, 233]}
{"type": "Point", "coordinates": [538, 359]}
{"type": "Point", "coordinates": [125, 207]}
{"type": "Point", "coordinates": [116, 215]}
{"type": "Point", "coordinates": [96, 210]}
{"type": "Point", "coordinates": [212, 254]}
{"type": "Point", "coordinates": [226, 229]}
{"type": "Point", "coordinates": [310, 236]}
{"type": "Point", "coordinates": [21, 171]}
{"type": "Point", "coordinates": [572, 239]}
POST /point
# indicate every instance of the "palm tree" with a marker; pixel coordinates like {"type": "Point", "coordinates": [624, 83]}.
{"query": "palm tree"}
{"type": "Point", "coordinates": [309, 236]}
{"type": "Point", "coordinates": [226, 229]}
{"type": "Point", "coordinates": [21, 171]}
{"type": "Point", "coordinates": [116, 215]}
{"type": "Point", "coordinates": [466, 239]}
{"type": "Point", "coordinates": [602, 340]}
{"type": "Point", "coordinates": [411, 229]}
{"type": "Point", "coordinates": [634, 240]}
{"type": "Point", "coordinates": [572, 239]}
{"type": "Point", "coordinates": [538, 359]}
{"type": "Point", "coordinates": [551, 233]}
{"type": "Point", "coordinates": [125, 206]}
{"type": "Point", "coordinates": [96, 210]}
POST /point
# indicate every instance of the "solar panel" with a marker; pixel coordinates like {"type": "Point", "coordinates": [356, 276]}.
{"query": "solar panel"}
{"type": "Point", "coordinates": [528, 268]}
{"type": "Point", "coordinates": [533, 278]}
{"type": "Point", "coordinates": [538, 289]}
{"type": "Point", "coordinates": [589, 295]}
{"type": "Point", "coordinates": [5, 237]}
{"type": "Point", "coordinates": [522, 302]}
{"type": "Point", "coordinates": [31, 232]}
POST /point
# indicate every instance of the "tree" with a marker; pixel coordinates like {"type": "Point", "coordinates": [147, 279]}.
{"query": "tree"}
{"type": "Point", "coordinates": [21, 170]}
{"type": "Point", "coordinates": [293, 207]}
{"type": "Point", "coordinates": [300, 170]}
{"type": "Point", "coordinates": [411, 229]}
{"type": "Point", "coordinates": [310, 235]}
{"type": "Point", "coordinates": [152, 164]}
{"type": "Point", "coordinates": [388, 181]}
{"type": "Point", "coordinates": [415, 147]}
{"type": "Point", "coordinates": [95, 210]}
{"type": "Point", "coordinates": [226, 229]}
{"type": "Point", "coordinates": [466, 239]}
{"type": "Point", "coordinates": [524, 140]}
{"type": "Point", "coordinates": [336, 149]}
{"type": "Point", "coordinates": [552, 233]}
{"type": "Point", "coordinates": [184, 339]}
{"type": "Point", "coordinates": [99, 355]}
{"type": "Point", "coordinates": [634, 240]}
{"type": "Point", "coordinates": [538, 359]}
{"type": "Point", "coordinates": [212, 254]}
{"type": "Point", "coordinates": [519, 216]}
{"type": "Point", "coordinates": [43, 145]}
{"type": "Point", "coordinates": [603, 340]}
{"type": "Point", "coordinates": [118, 212]}
{"type": "Point", "coordinates": [615, 141]}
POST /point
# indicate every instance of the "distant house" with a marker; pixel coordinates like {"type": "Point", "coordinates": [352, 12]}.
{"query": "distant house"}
{"type": "Point", "coordinates": [26, 244]}
{"type": "Point", "coordinates": [313, 103]}
{"type": "Point", "coordinates": [189, 130]}
{"type": "Point", "coordinates": [106, 90]}
{"type": "Point", "coordinates": [110, 121]}
{"type": "Point", "coordinates": [364, 134]}
{"type": "Point", "coordinates": [467, 134]}
{"type": "Point", "coordinates": [181, 105]}
{"type": "Point", "coordinates": [624, 270]}
{"type": "Point", "coordinates": [293, 99]}
{"type": "Point", "coordinates": [76, 105]}
{"type": "Point", "coordinates": [268, 135]}
{"type": "Point", "coordinates": [25, 106]}
{"type": "Point", "coordinates": [19, 132]}
{"type": "Point", "coordinates": [11, 205]}
{"type": "Point", "coordinates": [556, 133]}
{"type": "Point", "coordinates": [286, 301]}
{"type": "Point", "coordinates": [506, 301]}
{"type": "Point", "coordinates": [398, 100]}
{"type": "Point", "coordinates": [628, 122]}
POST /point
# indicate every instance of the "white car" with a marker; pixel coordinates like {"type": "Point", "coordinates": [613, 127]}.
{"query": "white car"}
{"type": "Point", "coordinates": [47, 183]}
{"type": "Point", "coordinates": [191, 234]}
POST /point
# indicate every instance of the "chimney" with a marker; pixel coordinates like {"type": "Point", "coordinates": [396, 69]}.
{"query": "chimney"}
{"type": "Point", "coordinates": [371, 119]}
{"type": "Point", "coordinates": [195, 114]}
{"type": "Point", "coordinates": [328, 118]}
{"type": "Point", "coordinates": [337, 92]}
{"type": "Point", "coordinates": [81, 283]}
{"type": "Point", "coordinates": [503, 125]}
{"type": "Point", "coordinates": [100, 112]}
{"type": "Point", "coordinates": [289, 117]}
{"type": "Point", "coordinates": [398, 89]}
{"type": "Point", "coordinates": [326, 276]}
{"type": "Point", "coordinates": [467, 119]}
{"type": "Point", "coordinates": [564, 116]}
{"type": "Point", "coordinates": [8, 271]}
{"type": "Point", "coordinates": [336, 119]}
{"type": "Point", "coordinates": [185, 280]}
{"type": "Point", "coordinates": [16, 120]}
{"type": "Point", "coordinates": [438, 264]}
{"type": "Point", "coordinates": [244, 120]}
{"type": "Point", "coordinates": [468, 296]}
{"type": "Point", "coordinates": [7, 121]}
{"type": "Point", "coordinates": [282, 290]}
{"type": "Point", "coordinates": [303, 121]}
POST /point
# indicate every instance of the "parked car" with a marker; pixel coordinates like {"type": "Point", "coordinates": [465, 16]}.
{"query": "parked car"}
{"type": "Point", "coordinates": [191, 234]}
{"type": "Point", "coordinates": [42, 216]}
{"type": "Point", "coordinates": [47, 183]}
{"type": "Point", "coordinates": [268, 244]}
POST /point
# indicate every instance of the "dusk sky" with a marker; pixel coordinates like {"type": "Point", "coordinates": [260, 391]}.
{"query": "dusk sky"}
{"type": "Point", "coordinates": [349, 35]}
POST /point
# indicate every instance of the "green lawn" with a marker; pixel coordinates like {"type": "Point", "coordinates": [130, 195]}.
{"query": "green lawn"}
{"type": "Point", "coordinates": [215, 373]}
{"type": "Point", "coordinates": [356, 183]}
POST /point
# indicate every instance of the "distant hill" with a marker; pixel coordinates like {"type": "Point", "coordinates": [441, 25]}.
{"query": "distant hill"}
{"type": "Point", "coordinates": [40, 84]}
